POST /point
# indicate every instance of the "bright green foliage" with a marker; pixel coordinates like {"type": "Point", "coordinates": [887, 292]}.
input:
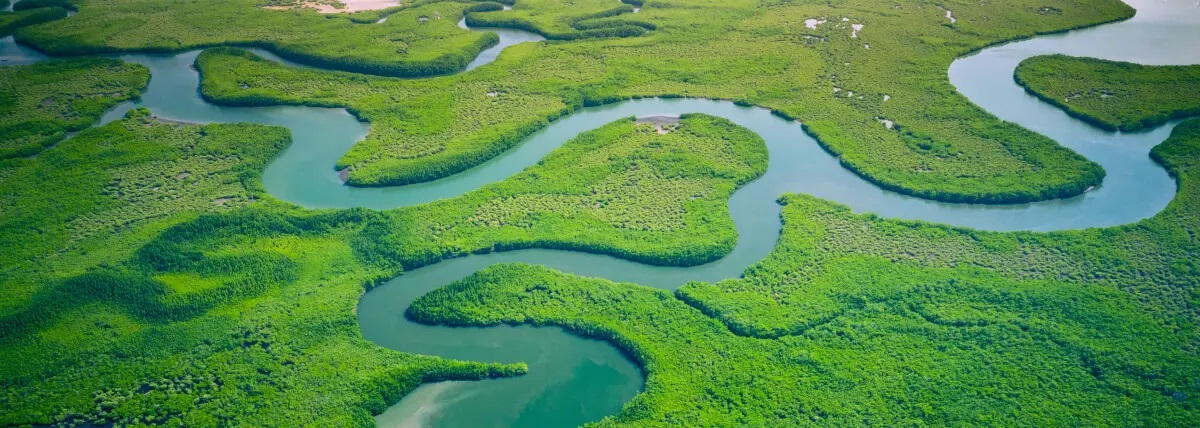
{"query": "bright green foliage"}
{"type": "Point", "coordinates": [943, 147]}
{"type": "Point", "coordinates": [122, 305]}
{"type": "Point", "coordinates": [40, 103]}
{"type": "Point", "coordinates": [888, 323]}
{"type": "Point", "coordinates": [1113, 95]}
{"type": "Point", "coordinates": [11, 21]}
{"type": "Point", "coordinates": [622, 189]}
{"type": "Point", "coordinates": [268, 293]}
{"type": "Point", "coordinates": [401, 46]}
{"type": "Point", "coordinates": [114, 185]}
{"type": "Point", "coordinates": [901, 345]}
{"type": "Point", "coordinates": [256, 349]}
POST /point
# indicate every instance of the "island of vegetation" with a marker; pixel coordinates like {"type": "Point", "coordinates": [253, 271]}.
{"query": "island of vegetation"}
{"type": "Point", "coordinates": [11, 21]}
{"type": "Point", "coordinates": [1113, 95]}
{"type": "Point", "coordinates": [41, 103]}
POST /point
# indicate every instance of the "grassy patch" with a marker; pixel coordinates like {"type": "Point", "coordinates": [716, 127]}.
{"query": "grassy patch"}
{"type": "Point", "coordinates": [41, 103]}
{"type": "Point", "coordinates": [405, 45]}
{"type": "Point", "coordinates": [1111, 94]}
{"type": "Point", "coordinates": [11, 21]}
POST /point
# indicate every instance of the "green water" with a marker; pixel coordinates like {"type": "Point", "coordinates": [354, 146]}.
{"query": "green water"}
{"type": "Point", "coordinates": [574, 380]}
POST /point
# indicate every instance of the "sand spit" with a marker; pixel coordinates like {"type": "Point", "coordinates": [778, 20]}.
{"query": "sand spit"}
{"type": "Point", "coordinates": [662, 124]}
{"type": "Point", "coordinates": [350, 6]}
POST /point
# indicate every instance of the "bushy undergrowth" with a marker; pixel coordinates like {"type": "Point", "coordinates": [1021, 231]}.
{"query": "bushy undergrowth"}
{"type": "Point", "coordinates": [905, 345]}
{"type": "Point", "coordinates": [11, 21]}
{"type": "Point", "coordinates": [99, 195]}
{"type": "Point", "coordinates": [41, 103]}
{"type": "Point", "coordinates": [405, 45]}
{"type": "Point", "coordinates": [1110, 94]}
{"type": "Point", "coordinates": [124, 303]}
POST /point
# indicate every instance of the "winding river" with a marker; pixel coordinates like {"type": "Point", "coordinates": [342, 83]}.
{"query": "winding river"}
{"type": "Point", "coordinates": [574, 380]}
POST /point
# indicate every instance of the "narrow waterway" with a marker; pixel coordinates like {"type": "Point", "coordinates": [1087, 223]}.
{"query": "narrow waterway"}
{"type": "Point", "coordinates": [574, 380]}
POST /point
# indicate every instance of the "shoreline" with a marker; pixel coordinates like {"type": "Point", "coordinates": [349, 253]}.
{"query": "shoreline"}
{"type": "Point", "coordinates": [349, 6]}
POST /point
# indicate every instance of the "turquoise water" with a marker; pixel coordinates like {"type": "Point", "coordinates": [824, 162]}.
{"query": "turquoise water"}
{"type": "Point", "coordinates": [574, 380]}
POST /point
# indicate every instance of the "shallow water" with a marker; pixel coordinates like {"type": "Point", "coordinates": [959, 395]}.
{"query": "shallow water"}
{"type": "Point", "coordinates": [574, 380]}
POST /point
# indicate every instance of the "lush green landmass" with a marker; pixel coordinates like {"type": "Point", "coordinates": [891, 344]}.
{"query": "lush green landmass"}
{"type": "Point", "coordinates": [943, 146]}
{"type": "Point", "coordinates": [106, 185]}
{"type": "Point", "coordinates": [1111, 94]}
{"type": "Point", "coordinates": [889, 323]}
{"type": "Point", "coordinates": [11, 21]}
{"type": "Point", "coordinates": [404, 45]}
{"type": "Point", "coordinates": [129, 310]}
{"type": "Point", "coordinates": [622, 189]}
{"type": "Point", "coordinates": [41, 103]}
{"type": "Point", "coordinates": [938, 325]}
{"type": "Point", "coordinates": [122, 305]}
{"type": "Point", "coordinates": [908, 346]}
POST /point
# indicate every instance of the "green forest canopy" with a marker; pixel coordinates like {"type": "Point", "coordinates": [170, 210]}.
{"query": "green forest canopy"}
{"type": "Point", "coordinates": [1113, 95]}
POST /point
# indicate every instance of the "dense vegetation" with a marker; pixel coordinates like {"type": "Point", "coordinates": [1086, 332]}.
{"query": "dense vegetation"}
{"type": "Point", "coordinates": [11, 21]}
{"type": "Point", "coordinates": [622, 189]}
{"type": "Point", "coordinates": [942, 146]}
{"type": "Point", "coordinates": [122, 305]}
{"type": "Point", "coordinates": [222, 317]}
{"type": "Point", "coordinates": [856, 320]}
{"type": "Point", "coordinates": [907, 346]}
{"type": "Point", "coordinates": [41, 103]}
{"type": "Point", "coordinates": [1110, 94]}
{"type": "Point", "coordinates": [404, 45]}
